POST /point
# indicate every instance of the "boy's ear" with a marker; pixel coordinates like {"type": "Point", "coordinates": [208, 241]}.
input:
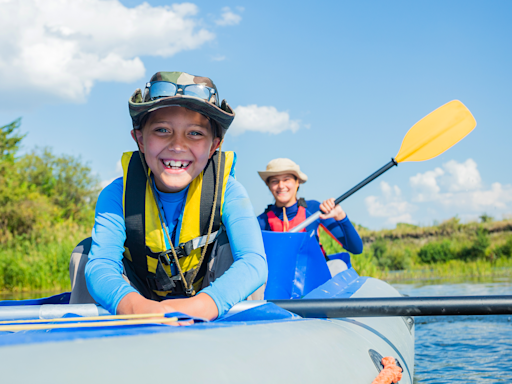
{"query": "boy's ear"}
{"type": "Point", "coordinates": [137, 136]}
{"type": "Point", "coordinates": [215, 145]}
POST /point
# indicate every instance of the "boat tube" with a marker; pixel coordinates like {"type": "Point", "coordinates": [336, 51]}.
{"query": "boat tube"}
{"type": "Point", "coordinates": [256, 341]}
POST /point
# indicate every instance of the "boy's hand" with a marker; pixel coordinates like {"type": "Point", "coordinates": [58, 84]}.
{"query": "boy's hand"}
{"type": "Point", "coordinates": [134, 303]}
{"type": "Point", "coordinates": [330, 210]}
{"type": "Point", "coordinates": [201, 305]}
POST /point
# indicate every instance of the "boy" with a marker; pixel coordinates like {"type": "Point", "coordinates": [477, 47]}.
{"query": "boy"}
{"type": "Point", "coordinates": [177, 222]}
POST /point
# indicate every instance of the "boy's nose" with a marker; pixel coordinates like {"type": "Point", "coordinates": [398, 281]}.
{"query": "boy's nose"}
{"type": "Point", "coordinates": [177, 145]}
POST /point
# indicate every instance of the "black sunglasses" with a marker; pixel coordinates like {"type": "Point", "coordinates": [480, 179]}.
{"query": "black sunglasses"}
{"type": "Point", "coordinates": [158, 89]}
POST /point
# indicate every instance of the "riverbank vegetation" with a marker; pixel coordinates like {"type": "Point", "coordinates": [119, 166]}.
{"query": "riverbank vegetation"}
{"type": "Point", "coordinates": [46, 207]}
{"type": "Point", "coordinates": [446, 250]}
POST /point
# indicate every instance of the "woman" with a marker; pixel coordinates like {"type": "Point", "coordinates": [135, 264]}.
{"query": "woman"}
{"type": "Point", "coordinates": [283, 178]}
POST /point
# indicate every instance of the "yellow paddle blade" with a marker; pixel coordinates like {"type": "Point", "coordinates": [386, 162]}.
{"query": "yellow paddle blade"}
{"type": "Point", "coordinates": [436, 132]}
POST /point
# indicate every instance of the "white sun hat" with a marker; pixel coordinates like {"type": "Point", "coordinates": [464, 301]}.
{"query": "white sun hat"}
{"type": "Point", "coordinates": [281, 167]}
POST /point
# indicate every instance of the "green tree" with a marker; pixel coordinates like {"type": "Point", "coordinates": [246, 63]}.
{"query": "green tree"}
{"type": "Point", "coordinates": [9, 141]}
{"type": "Point", "coordinates": [40, 189]}
{"type": "Point", "coordinates": [64, 180]}
{"type": "Point", "coordinates": [485, 218]}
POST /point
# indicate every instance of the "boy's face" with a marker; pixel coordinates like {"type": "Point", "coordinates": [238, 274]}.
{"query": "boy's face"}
{"type": "Point", "coordinates": [284, 189]}
{"type": "Point", "coordinates": [177, 144]}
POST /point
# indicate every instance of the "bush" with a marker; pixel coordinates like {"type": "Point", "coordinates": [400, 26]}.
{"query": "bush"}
{"type": "Point", "coordinates": [379, 248]}
{"type": "Point", "coordinates": [478, 248]}
{"type": "Point", "coordinates": [390, 259]}
{"type": "Point", "coordinates": [505, 250]}
{"type": "Point", "coordinates": [435, 252]}
{"type": "Point", "coordinates": [397, 259]}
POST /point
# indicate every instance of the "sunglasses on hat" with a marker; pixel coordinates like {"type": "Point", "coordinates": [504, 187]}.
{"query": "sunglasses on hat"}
{"type": "Point", "coordinates": [158, 89]}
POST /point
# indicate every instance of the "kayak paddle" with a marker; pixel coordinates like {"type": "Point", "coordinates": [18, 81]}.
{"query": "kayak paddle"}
{"type": "Point", "coordinates": [428, 138]}
{"type": "Point", "coordinates": [399, 306]}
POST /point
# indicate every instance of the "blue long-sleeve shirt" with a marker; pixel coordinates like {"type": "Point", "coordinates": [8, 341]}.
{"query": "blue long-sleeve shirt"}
{"type": "Point", "coordinates": [104, 269]}
{"type": "Point", "coordinates": [343, 231]}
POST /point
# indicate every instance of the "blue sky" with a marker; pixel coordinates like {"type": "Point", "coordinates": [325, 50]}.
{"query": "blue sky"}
{"type": "Point", "coordinates": [334, 87]}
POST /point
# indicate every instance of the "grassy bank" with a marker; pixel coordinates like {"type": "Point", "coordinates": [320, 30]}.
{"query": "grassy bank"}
{"type": "Point", "coordinates": [450, 249]}
{"type": "Point", "coordinates": [40, 263]}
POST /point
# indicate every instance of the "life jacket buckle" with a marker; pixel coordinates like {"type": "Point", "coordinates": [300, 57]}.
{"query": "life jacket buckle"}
{"type": "Point", "coordinates": [164, 257]}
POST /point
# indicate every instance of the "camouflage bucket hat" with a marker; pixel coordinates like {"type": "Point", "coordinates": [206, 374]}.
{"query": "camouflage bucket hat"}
{"type": "Point", "coordinates": [141, 105]}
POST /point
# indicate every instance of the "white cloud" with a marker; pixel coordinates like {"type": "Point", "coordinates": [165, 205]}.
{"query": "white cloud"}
{"type": "Point", "coordinates": [460, 185]}
{"type": "Point", "coordinates": [218, 58]}
{"type": "Point", "coordinates": [391, 206]}
{"type": "Point", "coordinates": [262, 119]}
{"type": "Point", "coordinates": [464, 176]}
{"type": "Point", "coordinates": [56, 50]}
{"type": "Point", "coordinates": [228, 17]}
{"type": "Point", "coordinates": [426, 184]}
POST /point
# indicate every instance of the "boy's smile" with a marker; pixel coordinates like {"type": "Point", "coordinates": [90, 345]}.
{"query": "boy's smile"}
{"type": "Point", "coordinates": [177, 143]}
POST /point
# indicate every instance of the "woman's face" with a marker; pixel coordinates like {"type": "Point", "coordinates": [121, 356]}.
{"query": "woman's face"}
{"type": "Point", "coordinates": [284, 189]}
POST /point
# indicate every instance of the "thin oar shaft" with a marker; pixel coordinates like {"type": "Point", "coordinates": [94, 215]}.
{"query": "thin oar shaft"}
{"type": "Point", "coordinates": [350, 192]}
{"type": "Point", "coordinates": [399, 306]}
{"type": "Point", "coordinates": [33, 327]}
{"type": "Point", "coordinates": [89, 318]}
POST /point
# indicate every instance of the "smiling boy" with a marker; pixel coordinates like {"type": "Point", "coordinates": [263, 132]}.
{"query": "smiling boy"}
{"type": "Point", "coordinates": [177, 222]}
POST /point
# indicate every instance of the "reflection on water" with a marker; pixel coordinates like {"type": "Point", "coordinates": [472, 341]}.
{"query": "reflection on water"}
{"type": "Point", "coordinates": [462, 349]}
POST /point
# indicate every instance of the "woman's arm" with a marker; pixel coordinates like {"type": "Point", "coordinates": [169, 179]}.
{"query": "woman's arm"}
{"type": "Point", "coordinates": [341, 229]}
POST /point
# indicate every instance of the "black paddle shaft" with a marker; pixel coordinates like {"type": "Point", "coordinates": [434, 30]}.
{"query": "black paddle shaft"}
{"type": "Point", "coordinates": [370, 178]}
{"type": "Point", "coordinates": [399, 306]}
{"type": "Point", "coordinates": [347, 194]}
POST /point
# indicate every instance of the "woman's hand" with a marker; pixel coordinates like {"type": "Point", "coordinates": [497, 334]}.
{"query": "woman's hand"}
{"type": "Point", "coordinates": [331, 210]}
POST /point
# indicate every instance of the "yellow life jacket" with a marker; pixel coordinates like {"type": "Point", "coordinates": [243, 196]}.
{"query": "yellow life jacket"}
{"type": "Point", "coordinates": [148, 262]}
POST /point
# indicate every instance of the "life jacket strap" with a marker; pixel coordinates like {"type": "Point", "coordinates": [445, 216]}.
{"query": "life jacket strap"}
{"type": "Point", "coordinates": [184, 249]}
{"type": "Point", "coordinates": [198, 242]}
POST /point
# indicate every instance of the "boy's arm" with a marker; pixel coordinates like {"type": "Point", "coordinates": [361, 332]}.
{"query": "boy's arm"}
{"type": "Point", "coordinates": [249, 269]}
{"type": "Point", "coordinates": [104, 268]}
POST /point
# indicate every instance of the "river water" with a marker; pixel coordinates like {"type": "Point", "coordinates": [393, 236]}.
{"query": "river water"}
{"type": "Point", "coordinates": [462, 349]}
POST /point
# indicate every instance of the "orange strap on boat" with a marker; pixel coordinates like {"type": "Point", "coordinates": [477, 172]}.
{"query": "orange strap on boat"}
{"type": "Point", "coordinates": [391, 372]}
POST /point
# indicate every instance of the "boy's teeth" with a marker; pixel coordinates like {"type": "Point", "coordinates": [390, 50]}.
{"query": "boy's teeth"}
{"type": "Point", "coordinates": [177, 164]}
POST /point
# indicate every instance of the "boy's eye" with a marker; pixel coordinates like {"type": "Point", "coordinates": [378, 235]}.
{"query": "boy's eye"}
{"type": "Point", "coordinates": [196, 133]}
{"type": "Point", "coordinates": [161, 130]}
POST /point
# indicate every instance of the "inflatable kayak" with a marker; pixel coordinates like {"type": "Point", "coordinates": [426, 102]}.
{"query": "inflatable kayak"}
{"type": "Point", "coordinates": [255, 342]}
